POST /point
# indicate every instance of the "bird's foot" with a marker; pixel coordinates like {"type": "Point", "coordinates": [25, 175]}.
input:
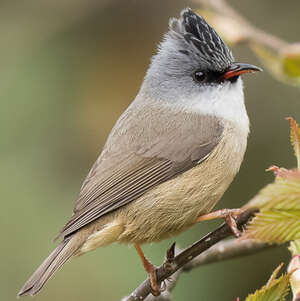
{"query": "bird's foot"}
{"type": "Point", "coordinates": [151, 270]}
{"type": "Point", "coordinates": [155, 286]}
{"type": "Point", "coordinates": [229, 215]}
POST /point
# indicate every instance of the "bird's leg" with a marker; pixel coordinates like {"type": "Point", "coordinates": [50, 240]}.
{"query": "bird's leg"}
{"type": "Point", "coordinates": [228, 215]}
{"type": "Point", "coordinates": [151, 270]}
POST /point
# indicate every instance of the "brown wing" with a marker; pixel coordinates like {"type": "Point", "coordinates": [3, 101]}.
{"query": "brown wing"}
{"type": "Point", "coordinates": [138, 156]}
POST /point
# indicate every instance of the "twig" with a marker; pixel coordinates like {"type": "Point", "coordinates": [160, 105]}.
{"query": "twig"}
{"type": "Point", "coordinates": [186, 256]}
{"type": "Point", "coordinates": [225, 250]}
{"type": "Point", "coordinates": [252, 33]}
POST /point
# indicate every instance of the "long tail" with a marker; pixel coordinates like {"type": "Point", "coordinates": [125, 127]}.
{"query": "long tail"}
{"type": "Point", "coordinates": [49, 266]}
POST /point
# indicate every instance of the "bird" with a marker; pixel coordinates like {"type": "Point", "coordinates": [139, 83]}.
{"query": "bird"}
{"type": "Point", "coordinates": [170, 156]}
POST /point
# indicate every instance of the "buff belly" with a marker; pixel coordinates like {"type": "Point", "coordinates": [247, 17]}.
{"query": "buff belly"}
{"type": "Point", "coordinates": [171, 208]}
{"type": "Point", "coordinates": [174, 206]}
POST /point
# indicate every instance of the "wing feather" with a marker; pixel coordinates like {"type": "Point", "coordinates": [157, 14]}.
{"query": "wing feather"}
{"type": "Point", "coordinates": [131, 165]}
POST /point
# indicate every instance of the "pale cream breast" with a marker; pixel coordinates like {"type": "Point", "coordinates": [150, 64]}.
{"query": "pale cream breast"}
{"type": "Point", "coordinates": [175, 205]}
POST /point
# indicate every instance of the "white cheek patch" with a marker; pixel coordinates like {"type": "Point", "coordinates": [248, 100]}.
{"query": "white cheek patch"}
{"type": "Point", "coordinates": [225, 101]}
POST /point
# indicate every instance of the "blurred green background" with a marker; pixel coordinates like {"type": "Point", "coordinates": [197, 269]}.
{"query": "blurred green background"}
{"type": "Point", "coordinates": [68, 70]}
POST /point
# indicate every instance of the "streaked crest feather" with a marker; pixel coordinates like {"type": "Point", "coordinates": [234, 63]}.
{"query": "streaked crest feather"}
{"type": "Point", "coordinates": [201, 39]}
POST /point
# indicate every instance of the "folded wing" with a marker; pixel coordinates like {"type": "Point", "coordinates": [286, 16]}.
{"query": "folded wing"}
{"type": "Point", "coordinates": [139, 156]}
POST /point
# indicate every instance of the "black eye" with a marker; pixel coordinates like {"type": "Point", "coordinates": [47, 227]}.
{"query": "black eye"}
{"type": "Point", "coordinates": [199, 76]}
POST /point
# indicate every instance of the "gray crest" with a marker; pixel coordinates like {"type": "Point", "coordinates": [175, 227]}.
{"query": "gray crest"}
{"type": "Point", "coordinates": [200, 41]}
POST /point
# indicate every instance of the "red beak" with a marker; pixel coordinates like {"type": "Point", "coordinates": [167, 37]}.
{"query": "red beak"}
{"type": "Point", "coordinates": [238, 68]}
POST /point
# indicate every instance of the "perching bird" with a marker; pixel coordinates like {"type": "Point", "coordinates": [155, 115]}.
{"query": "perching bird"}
{"type": "Point", "coordinates": [170, 156]}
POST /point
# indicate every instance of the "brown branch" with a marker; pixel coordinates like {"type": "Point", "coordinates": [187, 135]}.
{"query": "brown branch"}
{"type": "Point", "coordinates": [225, 250]}
{"type": "Point", "coordinates": [172, 265]}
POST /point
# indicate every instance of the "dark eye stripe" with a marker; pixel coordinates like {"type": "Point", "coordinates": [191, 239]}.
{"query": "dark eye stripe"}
{"type": "Point", "coordinates": [211, 77]}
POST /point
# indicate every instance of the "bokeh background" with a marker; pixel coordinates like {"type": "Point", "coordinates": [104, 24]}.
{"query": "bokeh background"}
{"type": "Point", "coordinates": [67, 71]}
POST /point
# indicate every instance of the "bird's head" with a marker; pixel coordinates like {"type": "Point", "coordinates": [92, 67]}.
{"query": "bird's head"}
{"type": "Point", "coordinates": [194, 66]}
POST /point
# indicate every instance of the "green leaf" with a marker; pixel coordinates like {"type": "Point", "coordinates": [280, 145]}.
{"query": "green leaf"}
{"type": "Point", "coordinates": [274, 226]}
{"type": "Point", "coordinates": [291, 65]}
{"type": "Point", "coordinates": [282, 65]}
{"type": "Point", "coordinates": [278, 220]}
{"type": "Point", "coordinates": [274, 290]}
{"type": "Point", "coordinates": [270, 60]}
{"type": "Point", "coordinates": [283, 194]}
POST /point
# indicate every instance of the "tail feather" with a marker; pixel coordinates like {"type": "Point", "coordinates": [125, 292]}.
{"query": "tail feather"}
{"type": "Point", "coordinates": [49, 266]}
